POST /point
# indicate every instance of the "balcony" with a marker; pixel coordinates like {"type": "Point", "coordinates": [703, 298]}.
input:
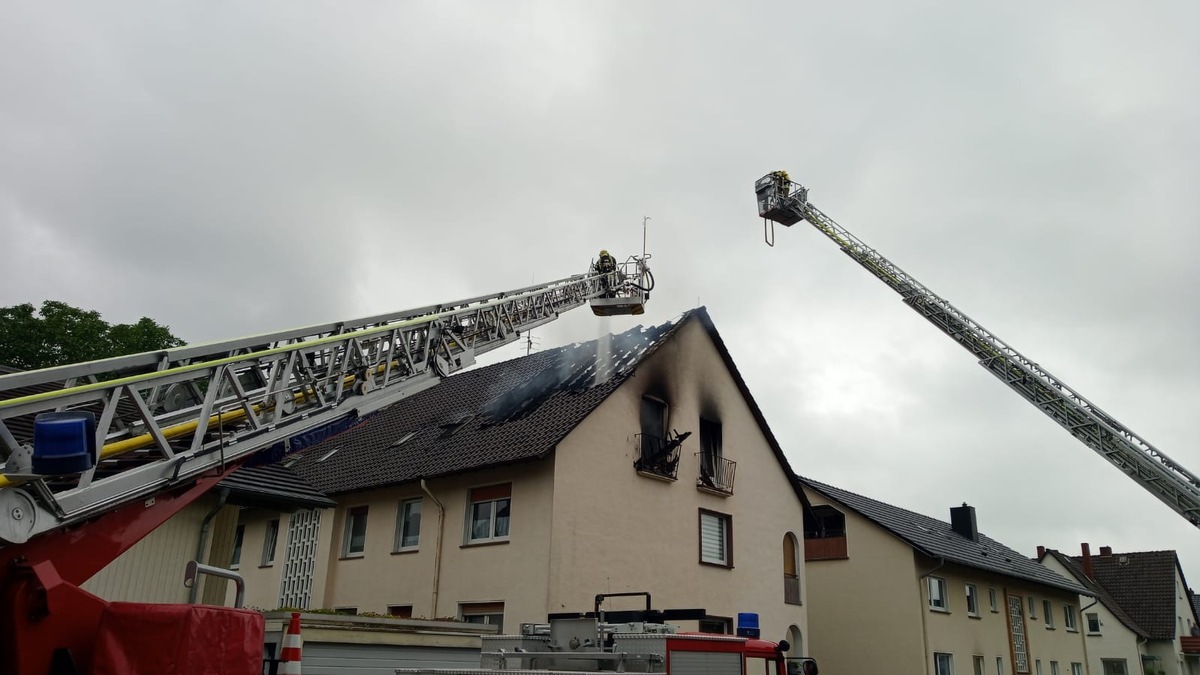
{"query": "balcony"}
{"type": "Point", "coordinates": [716, 473]}
{"type": "Point", "coordinates": [657, 457]}
{"type": "Point", "coordinates": [1190, 644]}
{"type": "Point", "coordinates": [825, 548]}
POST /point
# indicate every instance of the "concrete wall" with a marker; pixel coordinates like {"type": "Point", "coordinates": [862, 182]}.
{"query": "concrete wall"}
{"type": "Point", "coordinates": [615, 530]}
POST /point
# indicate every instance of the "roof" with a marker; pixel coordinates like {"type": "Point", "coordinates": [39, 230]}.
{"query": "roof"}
{"type": "Point", "coordinates": [936, 539]}
{"type": "Point", "coordinates": [506, 413]}
{"type": "Point", "coordinates": [1143, 585]}
{"type": "Point", "coordinates": [272, 486]}
{"type": "Point", "coordinates": [1075, 567]}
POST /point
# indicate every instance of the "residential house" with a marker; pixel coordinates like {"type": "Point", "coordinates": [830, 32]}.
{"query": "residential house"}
{"type": "Point", "coordinates": [894, 591]}
{"type": "Point", "coordinates": [1142, 619]}
{"type": "Point", "coordinates": [636, 462]}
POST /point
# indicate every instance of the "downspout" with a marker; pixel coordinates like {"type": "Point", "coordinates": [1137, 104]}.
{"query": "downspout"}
{"type": "Point", "coordinates": [222, 495]}
{"type": "Point", "coordinates": [924, 611]}
{"type": "Point", "coordinates": [437, 551]}
{"type": "Point", "coordinates": [1083, 633]}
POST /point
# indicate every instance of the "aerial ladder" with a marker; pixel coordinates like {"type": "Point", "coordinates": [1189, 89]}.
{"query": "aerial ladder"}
{"type": "Point", "coordinates": [94, 456]}
{"type": "Point", "coordinates": [783, 201]}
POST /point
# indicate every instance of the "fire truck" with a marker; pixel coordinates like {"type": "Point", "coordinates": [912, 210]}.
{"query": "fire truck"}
{"type": "Point", "coordinates": [781, 200]}
{"type": "Point", "coordinates": [94, 456]}
{"type": "Point", "coordinates": [631, 641]}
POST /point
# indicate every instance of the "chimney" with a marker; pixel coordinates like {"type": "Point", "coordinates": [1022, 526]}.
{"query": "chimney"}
{"type": "Point", "coordinates": [1106, 551]}
{"type": "Point", "coordinates": [1041, 552]}
{"type": "Point", "coordinates": [1087, 560]}
{"type": "Point", "coordinates": [962, 521]}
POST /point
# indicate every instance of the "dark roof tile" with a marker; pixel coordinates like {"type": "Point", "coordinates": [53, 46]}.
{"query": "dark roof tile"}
{"type": "Point", "coordinates": [936, 539]}
{"type": "Point", "coordinates": [1143, 585]}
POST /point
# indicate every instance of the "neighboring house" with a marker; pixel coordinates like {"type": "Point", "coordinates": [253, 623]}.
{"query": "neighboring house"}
{"type": "Point", "coordinates": [894, 591]}
{"type": "Point", "coordinates": [637, 462]}
{"type": "Point", "coordinates": [1142, 620]}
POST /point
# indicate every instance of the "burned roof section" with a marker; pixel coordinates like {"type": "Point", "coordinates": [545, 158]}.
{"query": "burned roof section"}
{"type": "Point", "coordinates": [509, 412]}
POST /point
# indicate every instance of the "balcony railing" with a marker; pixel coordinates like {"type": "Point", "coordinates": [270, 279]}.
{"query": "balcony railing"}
{"type": "Point", "coordinates": [716, 472]}
{"type": "Point", "coordinates": [825, 548]}
{"type": "Point", "coordinates": [656, 456]}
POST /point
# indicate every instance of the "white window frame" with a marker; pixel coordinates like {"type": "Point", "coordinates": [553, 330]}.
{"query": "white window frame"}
{"type": "Point", "coordinates": [972, 593]}
{"type": "Point", "coordinates": [1037, 666]}
{"type": "Point", "coordinates": [1054, 668]}
{"type": "Point", "coordinates": [482, 612]}
{"type": "Point", "coordinates": [992, 601]}
{"type": "Point", "coordinates": [1087, 618]}
{"type": "Point", "coordinates": [943, 663]}
{"type": "Point", "coordinates": [402, 513]}
{"type": "Point", "coordinates": [977, 664]}
{"type": "Point", "coordinates": [1048, 614]}
{"type": "Point", "coordinates": [352, 516]}
{"type": "Point", "coordinates": [724, 523]}
{"type": "Point", "coordinates": [239, 538]}
{"type": "Point", "coordinates": [1076, 668]}
{"type": "Point", "coordinates": [270, 543]}
{"type": "Point", "coordinates": [1070, 621]}
{"type": "Point", "coordinates": [939, 584]}
{"type": "Point", "coordinates": [501, 501]}
{"type": "Point", "coordinates": [1032, 609]}
{"type": "Point", "coordinates": [999, 665]}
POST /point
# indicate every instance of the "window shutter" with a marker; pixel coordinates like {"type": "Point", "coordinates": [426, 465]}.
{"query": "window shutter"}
{"type": "Point", "coordinates": [490, 492]}
{"type": "Point", "coordinates": [712, 539]}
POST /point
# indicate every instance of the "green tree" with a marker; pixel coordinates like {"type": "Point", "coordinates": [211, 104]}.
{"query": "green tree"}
{"type": "Point", "coordinates": [58, 333]}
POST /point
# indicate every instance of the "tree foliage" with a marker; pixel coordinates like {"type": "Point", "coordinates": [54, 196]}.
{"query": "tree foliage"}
{"type": "Point", "coordinates": [58, 334]}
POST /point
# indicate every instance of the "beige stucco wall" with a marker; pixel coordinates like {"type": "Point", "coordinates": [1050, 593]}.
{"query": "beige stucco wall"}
{"type": "Point", "coordinates": [1115, 640]}
{"type": "Point", "coordinates": [616, 531]}
{"type": "Point", "coordinates": [873, 598]}
{"type": "Point", "coordinates": [513, 572]}
{"type": "Point", "coordinates": [262, 581]}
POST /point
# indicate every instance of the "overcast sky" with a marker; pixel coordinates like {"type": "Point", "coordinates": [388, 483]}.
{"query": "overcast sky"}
{"type": "Point", "coordinates": [232, 168]}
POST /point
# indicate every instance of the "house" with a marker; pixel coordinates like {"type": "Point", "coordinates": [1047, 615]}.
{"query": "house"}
{"type": "Point", "coordinates": [636, 462]}
{"type": "Point", "coordinates": [894, 591]}
{"type": "Point", "coordinates": [1142, 619]}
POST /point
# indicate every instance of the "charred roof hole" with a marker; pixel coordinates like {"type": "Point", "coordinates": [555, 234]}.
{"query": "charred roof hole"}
{"type": "Point", "coordinates": [453, 427]}
{"type": "Point", "coordinates": [329, 454]}
{"type": "Point", "coordinates": [402, 439]}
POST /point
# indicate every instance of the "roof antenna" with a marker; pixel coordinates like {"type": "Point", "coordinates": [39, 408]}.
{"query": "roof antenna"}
{"type": "Point", "coordinates": [644, 219]}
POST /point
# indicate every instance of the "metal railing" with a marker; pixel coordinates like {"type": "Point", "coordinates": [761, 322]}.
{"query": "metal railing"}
{"type": "Point", "coordinates": [716, 472]}
{"type": "Point", "coordinates": [656, 456]}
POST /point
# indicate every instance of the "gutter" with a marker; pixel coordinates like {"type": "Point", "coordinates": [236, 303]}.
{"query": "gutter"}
{"type": "Point", "coordinates": [924, 611]}
{"type": "Point", "coordinates": [222, 495]}
{"type": "Point", "coordinates": [437, 551]}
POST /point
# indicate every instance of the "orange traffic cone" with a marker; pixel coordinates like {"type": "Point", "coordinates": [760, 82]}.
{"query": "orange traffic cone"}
{"type": "Point", "coordinates": [289, 656]}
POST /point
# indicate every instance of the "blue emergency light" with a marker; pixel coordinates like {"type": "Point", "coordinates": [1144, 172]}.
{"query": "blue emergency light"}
{"type": "Point", "coordinates": [747, 625]}
{"type": "Point", "coordinates": [64, 443]}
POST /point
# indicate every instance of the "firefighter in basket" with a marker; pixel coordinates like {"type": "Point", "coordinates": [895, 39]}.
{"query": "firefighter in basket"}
{"type": "Point", "coordinates": [607, 265]}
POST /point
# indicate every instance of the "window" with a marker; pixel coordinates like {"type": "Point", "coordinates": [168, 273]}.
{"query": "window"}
{"type": "Point", "coordinates": [1114, 667]}
{"type": "Point", "coordinates": [235, 560]}
{"type": "Point", "coordinates": [999, 665]}
{"type": "Point", "coordinates": [1037, 665]}
{"type": "Point", "coordinates": [354, 539]}
{"type": "Point", "coordinates": [654, 426]}
{"type": "Point", "coordinates": [1054, 668]}
{"type": "Point", "coordinates": [791, 579]}
{"type": "Point", "coordinates": [943, 664]}
{"type": "Point", "coordinates": [489, 513]}
{"type": "Point", "coordinates": [1048, 614]}
{"type": "Point", "coordinates": [1069, 618]}
{"type": "Point", "coordinates": [992, 600]}
{"type": "Point", "coordinates": [937, 594]}
{"type": "Point", "coordinates": [347, 611]}
{"type": "Point", "coordinates": [715, 472]}
{"type": "Point", "coordinates": [408, 525]}
{"type": "Point", "coordinates": [270, 539]}
{"type": "Point", "coordinates": [400, 611]}
{"type": "Point", "coordinates": [1093, 623]}
{"type": "Point", "coordinates": [715, 537]}
{"type": "Point", "coordinates": [1032, 609]}
{"type": "Point", "coordinates": [972, 601]}
{"type": "Point", "coordinates": [488, 613]}
{"type": "Point", "coordinates": [715, 624]}
{"type": "Point", "coordinates": [1076, 668]}
{"type": "Point", "coordinates": [977, 664]}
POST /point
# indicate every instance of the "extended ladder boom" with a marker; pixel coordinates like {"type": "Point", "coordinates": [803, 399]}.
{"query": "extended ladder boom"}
{"type": "Point", "coordinates": [163, 418]}
{"type": "Point", "coordinates": [782, 201]}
